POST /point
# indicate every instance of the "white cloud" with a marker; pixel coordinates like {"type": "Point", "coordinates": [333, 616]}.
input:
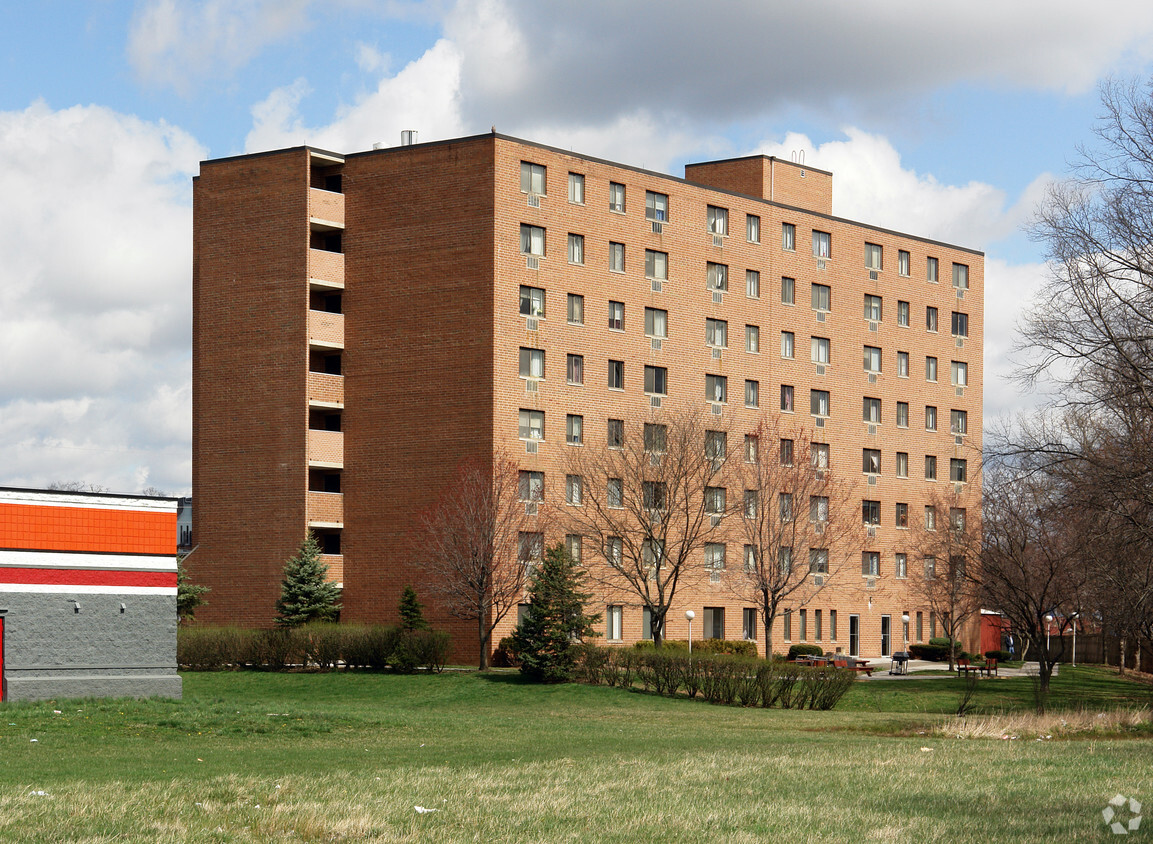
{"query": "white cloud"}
{"type": "Point", "coordinates": [95, 305]}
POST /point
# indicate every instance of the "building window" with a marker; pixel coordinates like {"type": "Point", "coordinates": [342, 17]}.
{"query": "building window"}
{"type": "Point", "coordinates": [871, 461]}
{"type": "Point", "coordinates": [752, 339]}
{"type": "Point", "coordinates": [902, 414]}
{"type": "Point", "coordinates": [716, 445]}
{"type": "Point", "coordinates": [958, 422]}
{"type": "Point", "coordinates": [531, 240]}
{"type": "Point", "coordinates": [872, 359]}
{"type": "Point", "coordinates": [786, 452]}
{"type": "Point", "coordinates": [902, 520]}
{"type": "Point", "coordinates": [784, 560]}
{"type": "Point", "coordinates": [714, 622]}
{"type": "Point", "coordinates": [576, 248]}
{"type": "Point", "coordinates": [930, 517]}
{"type": "Point", "coordinates": [961, 276]}
{"type": "Point", "coordinates": [531, 301]}
{"type": "Point", "coordinates": [873, 256]}
{"type": "Point", "coordinates": [751, 442]}
{"type": "Point", "coordinates": [930, 369]}
{"type": "Point", "coordinates": [902, 464]}
{"type": "Point", "coordinates": [822, 244]}
{"type": "Point", "coordinates": [717, 220]}
{"type": "Point", "coordinates": [716, 388]}
{"type": "Point", "coordinates": [749, 624]}
{"type": "Point", "coordinates": [903, 313]}
{"type": "Point", "coordinates": [788, 237]}
{"type": "Point", "coordinates": [752, 393]}
{"type": "Point", "coordinates": [718, 276]}
{"type": "Point", "coordinates": [531, 363]}
{"type": "Point", "coordinates": [616, 374]}
{"type": "Point", "coordinates": [532, 178]}
{"type": "Point", "coordinates": [959, 373]}
{"type": "Point", "coordinates": [901, 566]}
{"type": "Point", "coordinates": [957, 523]}
{"type": "Point", "coordinates": [820, 349]}
{"type": "Point", "coordinates": [574, 429]}
{"type": "Point", "coordinates": [871, 410]}
{"type": "Point", "coordinates": [655, 438]}
{"type": "Point", "coordinates": [817, 632]}
{"type": "Point", "coordinates": [716, 333]}
{"type": "Point", "coordinates": [819, 402]}
{"type": "Point", "coordinates": [818, 561]}
{"type": "Point", "coordinates": [902, 364]}
{"type": "Point", "coordinates": [931, 319]}
{"type": "Point", "coordinates": [531, 425]}
{"type": "Point", "coordinates": [616, 257]}
{"type": "Point", "coordinates": [787, 625]}
{"type": "Point", "coordinates": [818, 508]}
{"type": "Point", "coordinates": [930, 418]}
{"type": "Point", "coordinates": [572, 544]}
{"type": "Point", "coordinates": [576, 309]}
{"type": "Point", "coordinates": [819, 455]}
{"type": "Point", "coordinates": [575, 370]}
{"type": "Point", "coordinates": [531, 486]}
{"type": "Point", "coordinates": [752, 284]}
{"type": "Point", "coordinates": [960, 324]}
{"type": "Point", "coordinates": [653, 495]}
{"type": "Point", "coordinates": [615, 493]}
{"type": "Point", "coordinates": [530, 548]}
{"type": "Point", "coordinates": [656, 380]}
{"type": "Point", "coordinates": [646, 623]}
{"type": "Point", "coordinates": [656, 206]}
{"type": "Point", "coordinates": [787, 398]}
{"type": "Point", "coordinates": [788, 345]}
{"type": "Point", "coordinates": [833, 625]}
{"type": "Point", "coordinates": [788, 291]}
{"type": "Point", "coordinates": [871, 512]}
{"type": "Point", "coordinates": [930, 467]}
{"type": "Point", "coordinates": [656, 265]}
{"type": "Point", "coordinates": [715, 556]}
{"type": "Point", "coordinates": [870, 563]}
{"type": "Point", "coordinates": [821, 294]}
{"type": "Point", "coordinates": [931, 270]}
{"type": "Point", "coordinates": [902, 262]}
{"type": "Point", "coordinates": [873, 307]}
{"type": "Point", "coordinates": [656, 323]}
{"type": "Point", "coordinates": [958, 470]}
{"type": "Point", "coordinates": [615, 436]}
{"type": "Point", "coordinates": [753, 228]}
{"type": "Point", "coordinates": [576, 188]}
{"type": "Point", "coordinates": [617, 316]}
{"type": "Point", "coordinates": [804, 625]}
{"type": "Point", "coordinates": [573, 489]}
{"type": "Point", "coordinates": [617, 197]}
{"type": "Point", "coordinates": [613, 625]}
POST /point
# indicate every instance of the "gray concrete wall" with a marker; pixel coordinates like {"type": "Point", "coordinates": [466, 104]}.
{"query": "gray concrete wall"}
{"type": "Point", "coordinates": [51, 650]}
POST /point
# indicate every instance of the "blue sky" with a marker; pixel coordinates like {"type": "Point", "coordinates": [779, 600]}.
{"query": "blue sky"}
{"type": "Point", "coordinates": [945, 120]}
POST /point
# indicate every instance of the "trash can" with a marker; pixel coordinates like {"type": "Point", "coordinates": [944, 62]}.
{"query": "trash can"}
{"type": "Point", "coordinates": [900, 663]}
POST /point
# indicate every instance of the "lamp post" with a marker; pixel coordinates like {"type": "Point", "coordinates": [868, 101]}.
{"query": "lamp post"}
{"type": "Point", "coordinates": [1074, 619]}
{"type": "Point", "coordinates": [1048, 631]}
{"type": "Point", "coordinates": [905, 629]}
{"type": "Point", "coordinates": [690, 615]}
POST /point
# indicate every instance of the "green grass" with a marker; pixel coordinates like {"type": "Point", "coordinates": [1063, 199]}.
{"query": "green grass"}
{"type": "Point", "coordinates": [347, 757]}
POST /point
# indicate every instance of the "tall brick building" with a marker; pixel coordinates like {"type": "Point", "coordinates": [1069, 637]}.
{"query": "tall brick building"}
{"type": "Point", "coordinates": [365, 322]}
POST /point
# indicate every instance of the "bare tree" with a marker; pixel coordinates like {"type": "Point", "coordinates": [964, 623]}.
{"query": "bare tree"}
{"type": "Point", "coordinates": [472, 540]}
{"type": "Point", "coordinates": [650, 501]}
{"type": "Point", "coordinates": [947, 574]}
{"type": "Point", "coordinates": [77, 486]}
{"type": "Point", "coordinates": [794, 518]}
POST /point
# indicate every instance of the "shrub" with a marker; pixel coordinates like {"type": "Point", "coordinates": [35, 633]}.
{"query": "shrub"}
{"type": "Point", "coordinates": [805, 650]}
{"type": "Point", "coordinates": [935, 653]}
{"type": "Point", "coordinates": [1000, 656]}
{"type": "Point", "coordinates": [428, 649]}
{"type": "Point", "coordinates": [732, 647]}
{"type": "Point", "coordinates": [323, 644]}
{"type": "Point", "coordinates": [506, 654]}
{"type": "Point", "coordinates": [213, 648]}
{"type": "Point", "coordinates": [943, 641]}
{"type": "Point", "coordinates": [276, 648]}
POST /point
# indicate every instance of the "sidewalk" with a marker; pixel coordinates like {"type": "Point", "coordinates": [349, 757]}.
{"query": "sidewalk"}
{"type": "Point", "coordinates": [881, 666]}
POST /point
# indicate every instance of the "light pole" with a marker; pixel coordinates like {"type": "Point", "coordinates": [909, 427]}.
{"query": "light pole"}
{"type": "Point", "coordinates": [690, 615]}
{"type": "Point", "coordinates": [1048, 631]}
{"type": "Point", "coordinates": [905, 629]}
{"type": "Point", "coordinates": [1074, 618]}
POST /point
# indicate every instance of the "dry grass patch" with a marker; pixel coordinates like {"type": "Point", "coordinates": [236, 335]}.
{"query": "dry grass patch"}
{"type": "Point", "coordinates": [1025, 725]}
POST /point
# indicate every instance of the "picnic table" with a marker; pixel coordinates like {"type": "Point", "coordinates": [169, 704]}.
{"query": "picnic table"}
{"type": "Point", "coordinates": [988, 668]}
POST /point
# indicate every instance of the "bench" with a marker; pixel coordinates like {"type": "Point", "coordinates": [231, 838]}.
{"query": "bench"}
{"type": "Point", "coordinates": [964, 666]}
{"type": "Point", "coordinates": [864, 666]}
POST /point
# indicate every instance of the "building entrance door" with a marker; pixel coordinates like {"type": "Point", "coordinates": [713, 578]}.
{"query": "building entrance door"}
{"type": "Point", "coordinates": [854, 635]}
{"type": "Point", "coordinates": [886, 635]}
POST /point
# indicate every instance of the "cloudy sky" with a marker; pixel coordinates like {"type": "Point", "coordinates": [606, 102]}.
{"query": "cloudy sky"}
{"type": "Point", "coordinates": [941, 119]}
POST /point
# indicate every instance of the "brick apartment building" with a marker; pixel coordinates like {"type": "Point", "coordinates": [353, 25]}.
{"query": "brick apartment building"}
{"type": "Point", "coordinates": [365, 322]}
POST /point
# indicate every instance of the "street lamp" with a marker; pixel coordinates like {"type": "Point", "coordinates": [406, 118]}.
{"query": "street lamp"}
{"type": "Point", "coordinates": [905, 629]}
{"type": "Point", "coordinates": [690, 615]}
{"type": "Point", "coordinates": [1048, 632]}
{"type": "Point", "coordinates": [1074, 619]}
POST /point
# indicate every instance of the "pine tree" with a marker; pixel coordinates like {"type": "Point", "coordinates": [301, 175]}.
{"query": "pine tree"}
{"type": "Point", "coordinates": [189, 595]}
{"type": "Point", "coordinates": [411, 611]}
{"type": "Point", "coordinates": [556, 622]}
{"type": "Point", "coordinates": [305, 593]}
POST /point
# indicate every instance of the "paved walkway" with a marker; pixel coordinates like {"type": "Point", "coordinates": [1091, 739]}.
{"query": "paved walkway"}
{"type": "Point", "coordinates": [881, 667]}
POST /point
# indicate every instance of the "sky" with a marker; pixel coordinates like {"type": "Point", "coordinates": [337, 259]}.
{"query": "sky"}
{"type": "Point", "coordinates": [944, 120]}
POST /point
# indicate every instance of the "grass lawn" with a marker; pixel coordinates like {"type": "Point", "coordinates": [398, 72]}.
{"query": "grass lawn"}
{"type": "Point", "coordinates": [347, 757]}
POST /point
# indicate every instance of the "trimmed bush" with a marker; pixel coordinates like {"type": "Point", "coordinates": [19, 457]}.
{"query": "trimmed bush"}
{"type": "Point", "coordinates": [805, 650]}
{"type": "Point", "coordinates": [506, 654]}
{"type": "Point", "coordinates": [213, 648]}
{"type": "Point", "coordinates": [1000, 656]}
{"type": "Point", "coordinates": [934, 653]}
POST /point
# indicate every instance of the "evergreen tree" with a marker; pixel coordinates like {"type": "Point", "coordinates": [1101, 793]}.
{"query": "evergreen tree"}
{"type": "Point", "coordinates": [305, 593]}
{"type": "Point", "coordinates": [411, 611]}
{"type": "Point", "coordinates": [189, 595]}
{"type": "Point", "coordinates": [556, 622]}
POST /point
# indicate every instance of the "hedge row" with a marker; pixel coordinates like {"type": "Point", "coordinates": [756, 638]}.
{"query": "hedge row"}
{"type": "Point", "coordinates": [717, 678]}
{"type": "Point", "coordinates": [733, 647]}
{"type": "Point", "coordinates": [323, 646]}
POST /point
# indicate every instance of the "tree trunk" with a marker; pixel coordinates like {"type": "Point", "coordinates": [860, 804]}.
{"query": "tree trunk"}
{"type": "Point", "coordinates": [484, 638]}
{"type": "Point", "coordinates": [1124, 645]}
{"type": "Point", "coordinates": [768, 638]}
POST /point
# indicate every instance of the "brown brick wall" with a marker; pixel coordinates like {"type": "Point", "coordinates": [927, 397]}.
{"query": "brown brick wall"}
{"type": "Point", "coordinates": [770, 178]}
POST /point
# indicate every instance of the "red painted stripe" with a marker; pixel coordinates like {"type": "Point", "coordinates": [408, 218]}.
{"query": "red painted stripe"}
{"type": "Point", "coordinates": [86, 577]}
